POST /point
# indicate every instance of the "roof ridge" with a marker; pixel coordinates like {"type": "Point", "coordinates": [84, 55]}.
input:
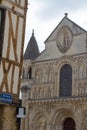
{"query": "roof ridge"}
{"type": "Point", "coordinates": [61, 22]}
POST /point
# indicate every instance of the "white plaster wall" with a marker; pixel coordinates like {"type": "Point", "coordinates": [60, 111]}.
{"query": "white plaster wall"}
{"type": "Point", "coordinates": [1, 73]}
{"type": "Point", "coordinates": [19, 40]}
{"type": "Point", "coordinates": [16, 80]}
{"type": "Point", "coordinates": [5, 42]}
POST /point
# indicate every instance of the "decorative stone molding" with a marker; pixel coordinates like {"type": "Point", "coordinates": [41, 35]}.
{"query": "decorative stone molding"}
{"type": "Point", "coordinates": [64, 39]}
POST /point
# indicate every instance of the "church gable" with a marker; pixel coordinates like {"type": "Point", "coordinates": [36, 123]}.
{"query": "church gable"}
{"type": "Point", "coordinates": [76, 29]}
{"type": "Point", "coordinates": [67, 39]}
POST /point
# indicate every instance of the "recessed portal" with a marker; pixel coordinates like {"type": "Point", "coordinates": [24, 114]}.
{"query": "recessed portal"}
{"type": "Point", "coordinates": [69, 124]}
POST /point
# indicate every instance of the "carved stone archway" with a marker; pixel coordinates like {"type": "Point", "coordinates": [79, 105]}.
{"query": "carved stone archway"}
{"type": "Point", "coordinates": [84, 120]}
{"type": "Point", "coordinates": [39, 122]}
{"type": "Point", "coordinates": [57, 122]}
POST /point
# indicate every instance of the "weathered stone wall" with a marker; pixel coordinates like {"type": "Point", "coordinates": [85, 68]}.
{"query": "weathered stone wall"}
{"type": "Point", "coordinates": [46, 109]}
{"type": "Point", "coordinates": [47, 74]}
{"type": "Point", "coordinates": [55, 111]}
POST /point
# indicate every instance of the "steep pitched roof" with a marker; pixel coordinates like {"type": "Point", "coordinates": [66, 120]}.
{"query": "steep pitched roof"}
{"type": "Point", "coordinates": [32, 50]}
{"type": "Point", "coordinates": [78, 29]}
{"type": "Point", "coordinates": [78, 41]}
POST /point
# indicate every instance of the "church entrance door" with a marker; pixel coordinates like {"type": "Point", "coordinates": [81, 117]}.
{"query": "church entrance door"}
{"type": "Point", "coordinates": [69, 124]}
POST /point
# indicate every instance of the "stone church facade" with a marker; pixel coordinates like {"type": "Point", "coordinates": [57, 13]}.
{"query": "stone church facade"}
{"type": "Point", "coordinates": [54, 83]}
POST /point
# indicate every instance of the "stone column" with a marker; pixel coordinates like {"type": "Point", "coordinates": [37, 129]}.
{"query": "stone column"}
{"type": "Point", "coordinates": [78, 118]}
{"type": "Point", "coordinates": [25, 97]}
{"type": "Point", "coordinates": [56, 84]}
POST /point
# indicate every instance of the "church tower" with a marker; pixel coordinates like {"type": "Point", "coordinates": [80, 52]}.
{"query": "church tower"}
{"type": "Point", "coordinates": [12, 33]}
{"type": "Point", "coordinates": [31, 53]}
{"type": "Point", "coordinates": [32, 50]}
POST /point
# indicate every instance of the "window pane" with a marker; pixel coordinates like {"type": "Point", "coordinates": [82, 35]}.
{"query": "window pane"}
{"type": "Point", "coordinates": [66, 81]}
{"type": "Point", "coordinates": [2, 21]}
{"type": "Point", "coordinates": [0, 18]}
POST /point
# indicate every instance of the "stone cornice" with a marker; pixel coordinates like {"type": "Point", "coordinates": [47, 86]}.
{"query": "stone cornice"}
{"type": "Point", "coordinates": [57, 100]}
{"type": "Point", "coordinates": [84, 54]}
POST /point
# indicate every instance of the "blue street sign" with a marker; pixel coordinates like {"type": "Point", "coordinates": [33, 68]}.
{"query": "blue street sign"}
{"type": "Point", "coordinates": [5, 98]}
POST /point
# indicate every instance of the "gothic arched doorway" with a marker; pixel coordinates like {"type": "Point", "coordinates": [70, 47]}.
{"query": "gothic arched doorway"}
{"type": "Point", "coordinates": [65, 81]}
{"type": "Point", "coordinates": [69, 124]}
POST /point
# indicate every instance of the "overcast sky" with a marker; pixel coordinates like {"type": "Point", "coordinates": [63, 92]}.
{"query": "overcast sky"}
{"type": "Point", "coordinates": [44, 15]}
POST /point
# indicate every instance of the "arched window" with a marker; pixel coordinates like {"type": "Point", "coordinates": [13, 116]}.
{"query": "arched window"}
{"type": "Point", "coordinates": [65, 81]}
{"type": "Point", "coordinates": [69, 124]}
{"type": "Point", "coordinates": [30, 73]}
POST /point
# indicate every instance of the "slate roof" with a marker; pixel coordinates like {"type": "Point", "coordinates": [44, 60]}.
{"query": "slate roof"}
{"type": "Point", "coordinates": [32, 50]}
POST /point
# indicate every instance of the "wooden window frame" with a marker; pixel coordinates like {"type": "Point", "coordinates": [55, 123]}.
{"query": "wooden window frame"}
{"type": "Point", "coordinates": [2, 26]}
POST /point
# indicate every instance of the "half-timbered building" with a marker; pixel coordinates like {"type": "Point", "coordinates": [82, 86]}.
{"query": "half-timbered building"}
{"type": "Point", "coordinates": [12, 33]}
